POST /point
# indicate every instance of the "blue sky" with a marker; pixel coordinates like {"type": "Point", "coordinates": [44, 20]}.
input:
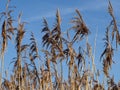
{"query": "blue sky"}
{"type": "Point", "coordinates": [94, 13]}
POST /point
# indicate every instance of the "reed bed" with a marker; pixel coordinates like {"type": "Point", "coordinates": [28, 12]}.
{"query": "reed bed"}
{"type": "Point", "coordinates": [57, 49]}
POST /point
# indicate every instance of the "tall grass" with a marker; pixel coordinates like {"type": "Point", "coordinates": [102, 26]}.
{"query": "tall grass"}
{"type": "Point", "coordinates": [28, 75]}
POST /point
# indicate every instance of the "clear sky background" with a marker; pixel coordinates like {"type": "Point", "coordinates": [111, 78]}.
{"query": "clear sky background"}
{"type": "Point", "coordinates": [94, 12]}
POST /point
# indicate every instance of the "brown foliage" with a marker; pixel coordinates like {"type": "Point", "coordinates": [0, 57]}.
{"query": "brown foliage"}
{"type": "Point", "coordinates": [32, 72]}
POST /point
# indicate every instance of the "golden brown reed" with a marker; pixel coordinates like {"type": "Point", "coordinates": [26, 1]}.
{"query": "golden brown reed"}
{"type": "Point", "coordinates": [57, 50]}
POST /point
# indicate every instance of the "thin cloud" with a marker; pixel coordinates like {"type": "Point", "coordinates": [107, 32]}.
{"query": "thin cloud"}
{"type": "Point", "coordinates": [93, 6]}
{"type": "Point", "coordinates": [65, 11]}
{"type": "Point", "coordinates": [50, 14]}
